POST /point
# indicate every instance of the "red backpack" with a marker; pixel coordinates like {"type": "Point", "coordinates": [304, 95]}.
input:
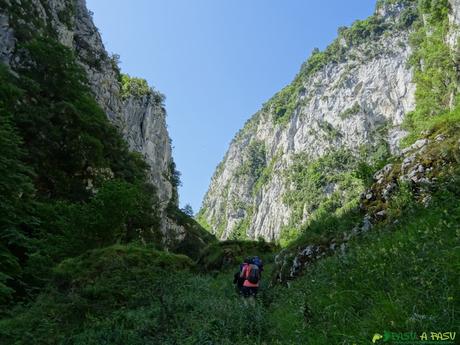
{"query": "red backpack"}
{"type": "Point", "coordinates": [253, 273]}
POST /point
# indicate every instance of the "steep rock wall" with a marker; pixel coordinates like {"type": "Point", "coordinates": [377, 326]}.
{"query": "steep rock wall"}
{"type": "Point", "coordinates": [141, 120]}
{"type": "Point", "coordinates": [344, 104]}
{"type": "Point", "coordinates": [454, 19]}
{"type": "Point", "coordinates": [146, 132]}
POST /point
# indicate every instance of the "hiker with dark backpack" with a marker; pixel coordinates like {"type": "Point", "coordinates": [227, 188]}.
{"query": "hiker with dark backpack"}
{"type": "Point", "coordinates": [238, 277]}
{"type": "Point", "coordinates": [251, 275]}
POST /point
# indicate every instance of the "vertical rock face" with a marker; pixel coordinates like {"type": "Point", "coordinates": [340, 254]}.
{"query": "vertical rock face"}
{"type": "Point", "coordinates": [454, 20]}
{"type": "Point", "coordinates": [454, 17]}
{"type": "Point", "coordinates": [6, 39]}
{"type": "Point", "coordinates": [141, 119]}
{"type": "Point", "coordinates": [347, 103]}
{"type": "Point", "coordinates": [145, 130]}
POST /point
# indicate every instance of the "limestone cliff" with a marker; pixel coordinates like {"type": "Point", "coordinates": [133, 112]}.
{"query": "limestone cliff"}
{"type": "Point", "coordinates": [141, 119]}
{"type": "Point", "coordinates": [350, 98]}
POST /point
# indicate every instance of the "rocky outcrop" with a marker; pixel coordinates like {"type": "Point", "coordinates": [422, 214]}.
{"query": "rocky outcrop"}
{"type": "Point", "coordinates": [419, 171]}
{"type": "Point", "coordinates": [350, 102]}
{"type": "Point", "coordinates": [146, 132]}
{"type": "Point", "coordinates": [454, 19]}
{"type": "Point", "coordinates": [141, 120]}
{"type": "Point", "coordinates": [7, 41]}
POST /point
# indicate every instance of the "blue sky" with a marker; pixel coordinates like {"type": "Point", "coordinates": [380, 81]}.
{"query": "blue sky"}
{"type": "Point", "coordinates": [217, 62]}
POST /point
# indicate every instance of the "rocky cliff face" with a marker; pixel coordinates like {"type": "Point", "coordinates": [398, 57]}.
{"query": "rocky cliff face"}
{"type": "Point", "coordinates": [145, 130]}
{"type": "Point", "coordinates": [454, 20]}
{"type": "Point", "coordinates": [141, 119]}
{"type": "Point", "coordinates": [355, 99]}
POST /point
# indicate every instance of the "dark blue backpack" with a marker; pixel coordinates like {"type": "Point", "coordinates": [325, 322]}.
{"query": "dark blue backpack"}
{"type": "Point", "coordinates": [257, 261]}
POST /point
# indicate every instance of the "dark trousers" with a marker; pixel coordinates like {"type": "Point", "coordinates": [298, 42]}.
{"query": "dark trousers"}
{"type": "Point", "coordinates": [249, 291]}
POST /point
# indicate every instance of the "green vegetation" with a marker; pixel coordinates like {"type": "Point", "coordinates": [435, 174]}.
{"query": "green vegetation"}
{"type": "Point", "coordinates": [135, 295]}
{"type": "Point", "coordinates": [138, 88]}
{"type": "Point", "coordinates": [318, 187]}
{"type": "Point", "coordinates": [16, 189]}
{"type": "Point", "coordinates": [24, 30]}
{"type": "Point", "coordinates": [350, 112]}
{"type": "Point", "coordinates": [80, 250]}
{"type": "Point", "coordinates": [201, 219]}
{"type": "Point", "coordinates": [216, 225]}
{"type": "Point", "coordinates": [266, 174]}
{"type": "Point", "coordinates": [240, 231]}
{"type": "Point", "coordinates": [323, 190]}
{"type": "Point", "coordinates": [283, 104]}
{"type": "Point", "coordinates": [435, 69]}
{"type": "Point", "coordinates": [406, 274]}
{"type": "Point", "coordinates": [254, 160]}
{"type": "Point", "coordinates": [67, 14]}
{"type": "Point", "coordinates": [73, 183]}
{"type": "Point", "coordinates": [329, 130]}
{"type": "Point", "coordinates": [229, 254]}
{"type": "Point", "coordinates": [399, 277]}
{"type": "Point", "coordinates": [221, 226]}
{"type": "Point", "coordinates": [195, 239]}
{"type": "Point", "coordinates": [69, 180]}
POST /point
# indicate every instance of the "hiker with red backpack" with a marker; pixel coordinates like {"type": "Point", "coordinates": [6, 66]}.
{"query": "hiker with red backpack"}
{"type": "Point", "coordinates": [250, 272]}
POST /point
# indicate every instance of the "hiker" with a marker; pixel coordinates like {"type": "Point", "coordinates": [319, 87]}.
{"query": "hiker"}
{"type": "Point", "coordinates": [238, 277]}
{"type": "Point", "coordinates": [251, 274]}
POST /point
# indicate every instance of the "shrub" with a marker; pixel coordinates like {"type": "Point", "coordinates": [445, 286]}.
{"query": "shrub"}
{"type": "Point", "coordinates": [138, 88]}
{"type": "Point", "coordinates": [435, 72]}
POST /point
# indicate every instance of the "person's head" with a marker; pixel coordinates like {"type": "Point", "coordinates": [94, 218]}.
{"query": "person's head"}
{"type": "Point", "coordinates": [247, 260]}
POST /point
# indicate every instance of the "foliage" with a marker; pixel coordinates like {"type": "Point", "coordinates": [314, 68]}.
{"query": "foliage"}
{"type": "Point", "coordinates": [25, 29]}
{"type": "Point", "coordinates": [69, 181]}
{"type": "Point", "coordinates": [372, 158]}
{"type": "Point", "coordinates": [405, 273]}
{"type": "Point", "coordinates": [188, 210]}
{"type": "Point", "coordinates": [315, 183]}
{"type": "Point", "coordinates": [353, 110]}
{"type": "Point", "coordinates": [327, 187]}
{"type": "Point", "coordinates": [362, 30]}
{"type": "Point", "coordinates": [201, 219]}
{"type": "Point", "coordinates": [266, 174]}
{"type": "Point", "coordinates": [401, 276]}
{"type": "Point", "coordinates": [118, 212]}
{"type": "Point", "coordinates": [254, 160]}
{"type": "Point", "coordinates": [67, 135]}
{"type": "Point", "coordinates": [283, 104]}
{"type": "Point", "coordinates": [329, 130]}
{"type": "Point", "coordinates": [173, 177]}
{"type": "Point", "coordinates": [135, 295]}
{"type": "Point", "coordinates": [240, 231]}
{"type": "Point", "coordinates": [76, 206]}
{"type": "Point", "coordinates": [435, 71]}
{"type": "Point", "coordinates": [407, 17]}
{"type": "Point", "coordinates": [16, 192]}
{"type": "Point", "coordinates": [138, 88]}
{"type": "Point", "coordinates": [257, 158]}
{"type": "Point", "coordinates": [226, 254]}
{"type": "Point", "coordinates": [194, 239]}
